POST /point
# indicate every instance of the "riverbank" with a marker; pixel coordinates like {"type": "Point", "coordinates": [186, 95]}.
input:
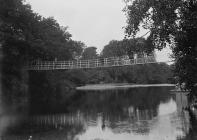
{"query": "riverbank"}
{"type": "Point", "coordinates": [119, 85]}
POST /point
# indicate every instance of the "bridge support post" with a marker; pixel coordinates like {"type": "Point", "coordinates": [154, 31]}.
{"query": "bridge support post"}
{"type": "Point", "coordinates": [79, 63]}
{"type": "Point", "coordinates": [53, 65]}
{"type": "Point", "coordinates": [105, 61]}
{"type": "Point", "coordinates": [88, 63]}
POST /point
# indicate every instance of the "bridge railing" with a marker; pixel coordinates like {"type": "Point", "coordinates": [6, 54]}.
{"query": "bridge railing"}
{"type": "Point", "coordinates": [92, 63]}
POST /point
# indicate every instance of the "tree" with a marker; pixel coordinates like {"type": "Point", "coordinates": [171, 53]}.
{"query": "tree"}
{"type": "Point", "coordinates": [127, 47]}
{"type": "Point", "coordinates": [171, 22]}
{"type": "Point", "coordinates": [114, 48]}
{"type": "Point", "coordinates": [89, 53]}
{"type": "Point", "coordinates": [26, 36]}
{"type": "Point", "coordinates": [77, 48]}
{"type": "Point", "coordinates": [33, 36]}
{"type": "Point", "coordinates": [54, 40]}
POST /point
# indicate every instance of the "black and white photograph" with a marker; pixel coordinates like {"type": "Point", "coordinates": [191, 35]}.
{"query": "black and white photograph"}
{"type": "Point", "coordinates": [98, 69]}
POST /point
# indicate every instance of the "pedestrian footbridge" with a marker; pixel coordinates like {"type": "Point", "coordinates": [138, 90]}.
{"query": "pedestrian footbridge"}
{"type": "Point", "coordinates": [89, 64]}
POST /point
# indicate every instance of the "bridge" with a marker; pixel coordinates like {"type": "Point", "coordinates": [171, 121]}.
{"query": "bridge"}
{"type": "Point", "coordinates": [89, 64]}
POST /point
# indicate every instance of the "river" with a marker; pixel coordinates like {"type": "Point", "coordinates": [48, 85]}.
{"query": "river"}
{"type": "Point", "coordinates": [144, 113]}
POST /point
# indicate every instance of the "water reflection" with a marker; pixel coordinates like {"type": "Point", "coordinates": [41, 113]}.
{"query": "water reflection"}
{"type": "Point", "coordinates": [138, 113]}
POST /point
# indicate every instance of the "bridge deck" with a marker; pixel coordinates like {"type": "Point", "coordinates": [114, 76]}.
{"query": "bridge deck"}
{"type": "Point", "coordinates": [87, 64]}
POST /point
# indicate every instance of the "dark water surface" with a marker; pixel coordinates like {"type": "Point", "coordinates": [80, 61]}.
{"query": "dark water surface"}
{"type": "Point", "coordinates": [126, 114]}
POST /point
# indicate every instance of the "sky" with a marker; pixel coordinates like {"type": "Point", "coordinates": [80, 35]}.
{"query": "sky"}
{"type": "Point", "coordinates": [94, 22]}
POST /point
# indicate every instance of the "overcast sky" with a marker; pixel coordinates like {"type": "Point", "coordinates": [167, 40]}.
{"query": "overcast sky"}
{"type": "Point", "coordinates": [94, 22]}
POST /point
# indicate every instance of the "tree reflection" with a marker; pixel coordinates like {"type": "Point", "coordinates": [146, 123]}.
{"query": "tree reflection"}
{"type": "Point", "coordinates": [128, 105]}
{"type": "Point", "coordinates": [191, 133]}
{"type": "Point", "coordinates": [67, 115]}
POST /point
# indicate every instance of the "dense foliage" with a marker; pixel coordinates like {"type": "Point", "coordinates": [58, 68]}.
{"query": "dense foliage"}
{"type": "Point", "coordinates": [33, 36]}
{"type": "Point", "coordinates": [171, 22]}
{"type": "Point", "coordinates": [27, 36]}
{"type": "Point", "coordinates": [142, 74]}
{"type": "Point", "coordinates": [62, 81]}
{"type": "Point", "coordinates": [89, 53]}
{"type": "Point", "coordinates": [127, 47]}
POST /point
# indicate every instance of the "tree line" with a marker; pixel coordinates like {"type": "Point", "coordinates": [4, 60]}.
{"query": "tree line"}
{"type": "Point", "coordinates": [173, 23]}
{"type": "Point", "coordinates": [26, 36]}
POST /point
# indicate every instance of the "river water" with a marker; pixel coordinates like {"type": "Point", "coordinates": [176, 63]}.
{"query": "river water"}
{"type": "Point", "coordinates": [149, 113]}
